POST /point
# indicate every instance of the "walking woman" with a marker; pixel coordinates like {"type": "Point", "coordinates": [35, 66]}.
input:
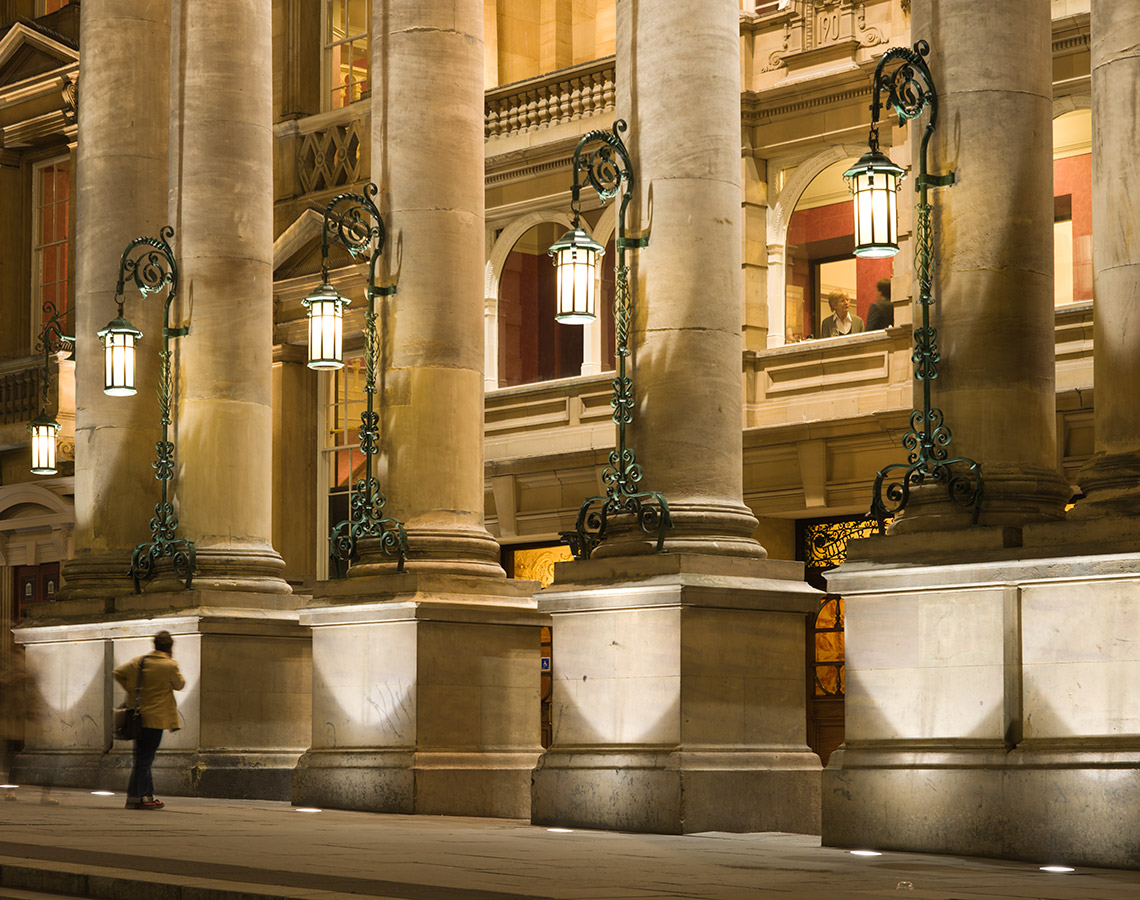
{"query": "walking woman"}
{"type": "Point", "coordinates": [158, 674]}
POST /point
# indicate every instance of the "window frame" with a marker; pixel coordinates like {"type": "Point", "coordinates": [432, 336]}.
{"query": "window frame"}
{"type": "Point", "coordinates": [38, 248]}
{"type": "Point", "coordinates": [329, 43]}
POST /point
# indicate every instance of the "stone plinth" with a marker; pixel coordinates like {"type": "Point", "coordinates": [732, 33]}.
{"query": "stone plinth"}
{"type": "Point", "coordinates": [679, 697]}
{"type": "Point", "coordinates": [425, 696]}
{"type": "Point", "coordinates": [245, 710]}
{"type": "Point", "coordinates": [992, 707]}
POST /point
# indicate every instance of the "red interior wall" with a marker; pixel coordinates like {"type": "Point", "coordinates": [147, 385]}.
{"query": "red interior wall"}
{"type": "Point", "coordinates": [1073, 176]}
{"type": "Point", "coordinates": [808, 228]}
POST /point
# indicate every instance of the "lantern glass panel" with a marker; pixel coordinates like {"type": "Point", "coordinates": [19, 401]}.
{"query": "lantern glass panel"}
{"type": "Point", "coordinates": [43, 447]}
{"type": "Point", "coordinates": [577, 267]}
{"type": "Point", "coordinates": [119, 363]}
{"type": "Point", "coordinates": [326, 331]}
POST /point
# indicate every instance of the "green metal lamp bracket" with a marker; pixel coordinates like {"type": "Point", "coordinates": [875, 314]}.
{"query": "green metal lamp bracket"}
{"type": "Point", "coordinates": [154, 269]}
{"type": "Point", "coordinates": [609, 171]}
{"type": "Point", "coordinates": [354, 222]}
{"type": "Point", "coordinates": [946, 180]}
{"type": "Point", "coordinates": [909, 87]}
{"type": "Point", "coordinates": [632, 243]}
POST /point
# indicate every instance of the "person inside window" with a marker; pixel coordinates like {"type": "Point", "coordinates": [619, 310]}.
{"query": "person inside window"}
{"type": "Point", "coordinates": [881, 314]}
{"type": "Point", "coordinates": [841, 321]}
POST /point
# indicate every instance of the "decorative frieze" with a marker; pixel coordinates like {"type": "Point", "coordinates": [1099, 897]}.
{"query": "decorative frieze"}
{"type": "Point", "coordinates": [554, 99]}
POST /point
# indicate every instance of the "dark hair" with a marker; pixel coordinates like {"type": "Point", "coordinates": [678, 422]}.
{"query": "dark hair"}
{"type": "Point", "coordinates": [884, 287]}
{"type": "Point", "coordinates": [163, 641]}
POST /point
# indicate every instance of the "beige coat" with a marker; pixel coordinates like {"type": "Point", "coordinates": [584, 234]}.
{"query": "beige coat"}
{"type": "Point", "coordinates": [160, 679]}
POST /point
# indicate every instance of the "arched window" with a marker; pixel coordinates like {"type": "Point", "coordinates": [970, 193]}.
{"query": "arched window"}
{"type": "Point", "coordinates": [1072, 207]}
{"type": "Point", "coordinates": [820, 258]}
{"type": "Point", "coordinates": [533, 347]}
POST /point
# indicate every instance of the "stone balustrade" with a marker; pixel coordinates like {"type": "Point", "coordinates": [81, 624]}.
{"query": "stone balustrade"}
{"type": "Point", "coordinates": [553, 99]}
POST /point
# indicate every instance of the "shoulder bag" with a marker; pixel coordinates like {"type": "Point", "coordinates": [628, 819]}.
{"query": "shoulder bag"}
{"type": "Point", "coordinates": [127, 719]}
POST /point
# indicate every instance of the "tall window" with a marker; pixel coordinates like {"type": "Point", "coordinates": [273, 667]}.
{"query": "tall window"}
{"type": "Point", "coordinates": [52, 189]}
{"type": "Point", "coordinates": [341, 458]}
{"type": "Point", "coordinates": [348, 47]}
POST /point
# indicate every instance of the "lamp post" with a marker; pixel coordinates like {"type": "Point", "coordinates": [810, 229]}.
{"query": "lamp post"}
{"type": "Point", "coordinates": [608, 170]}
{"type": "Point", "coordinates": [354, 222]}
{"type": "Point", "coordinates": [874, 180]}
{"type": "Point", "coordinates": [44, 429]}
{"type": "Point", "coordinates": [149, 262]}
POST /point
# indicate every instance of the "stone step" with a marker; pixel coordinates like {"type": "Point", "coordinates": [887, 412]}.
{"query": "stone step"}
{"type": "Point", "coordinates": [57, 881]}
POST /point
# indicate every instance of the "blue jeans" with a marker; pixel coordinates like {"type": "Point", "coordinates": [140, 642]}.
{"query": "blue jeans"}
{"type": "Point", "coordinates": [141, 784]}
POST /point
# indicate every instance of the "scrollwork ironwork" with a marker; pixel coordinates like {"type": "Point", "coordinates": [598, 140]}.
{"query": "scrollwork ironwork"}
{"type": "Point", "coordinates": [354, 222]}
{"type": "Point", "coordinates": [608, 169]}
{"type": "Point", "coordinates": [910, 90]}
{"type": "Point", "coordinates": [149, 263]}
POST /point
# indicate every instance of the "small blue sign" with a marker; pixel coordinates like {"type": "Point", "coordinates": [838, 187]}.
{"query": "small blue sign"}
{"type": "Point", "coordinates": [546, 663]}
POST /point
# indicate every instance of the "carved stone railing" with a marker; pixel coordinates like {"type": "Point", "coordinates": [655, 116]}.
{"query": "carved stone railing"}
{"type": "Point", "coordinates": [553, 99]}
{"type": "Point", "coordinates": [20, 386]}
{"type": "Point", "coordinates": [322, 152]}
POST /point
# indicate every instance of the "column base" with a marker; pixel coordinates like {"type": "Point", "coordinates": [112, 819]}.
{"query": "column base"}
{"type": "Point", "coordinates": [1111, 483]}
{"type": "Point", "coordinates": [491, 784]}
{"type": "Point", "coordinates": [707, 529]}
{"type": "Point", "coordinates": [245, 710]}
{"type": "Point", "coordinates": [1011, 497]}
{"type": "Point", "coordinates": [680, 695]}
{"type": "Point", "coordinates": [666, 791]}
{"type": "Point", "coordinates": [1074, 803]}
{"type": "Point", "coordinates": [455, 551]}
{"type": "Point", "coordinates": [92, 576]}
{"type": "Point", "coordinates": [241, 775]}
{"type": "Point", "coordinates": [425, 695]}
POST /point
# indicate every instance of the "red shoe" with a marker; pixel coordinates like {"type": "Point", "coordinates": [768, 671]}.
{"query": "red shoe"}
{"type": "Point", "coordinates": [151, 803]}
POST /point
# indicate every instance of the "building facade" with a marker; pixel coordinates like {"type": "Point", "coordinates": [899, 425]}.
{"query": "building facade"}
{"type": "Point", "coordinates": [707, 687]}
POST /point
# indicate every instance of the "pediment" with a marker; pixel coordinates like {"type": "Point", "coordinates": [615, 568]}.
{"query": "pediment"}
{"type": "Point", "coordinates": [297, 250]}
{"type": "Point", "coordinates": [26, 52]}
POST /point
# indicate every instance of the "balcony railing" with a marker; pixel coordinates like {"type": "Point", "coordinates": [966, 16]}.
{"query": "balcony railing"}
{"type": "Point", "coordinates": [552, 99]}
{"type": "Point", "coordinates": [20, 386]}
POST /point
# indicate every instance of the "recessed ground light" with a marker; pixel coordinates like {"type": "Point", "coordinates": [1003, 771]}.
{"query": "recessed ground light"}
{"type": "Point", "coordinates": [1062, 870]}
{"type": "Point", "coordinates": [103, 793]}
{"type": "Point", "coordinates": [865, 853]}
{"type": "Point", "coordinates": [560, 830]}
{"type": "Point", "coordinates": [307, 809]}
{"type": "Point", "coordinates": [9, 787]}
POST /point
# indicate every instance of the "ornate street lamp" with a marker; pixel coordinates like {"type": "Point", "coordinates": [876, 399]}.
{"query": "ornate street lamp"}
{"type": "Point", "coordinates": [576, 257]}
{"type": "Point", "coordinates": [874, 180]}
{"type": "Point", "coordinates": [149, 263]}
{"type": "Point", "coordinates": [354, 222]}
{"type": "Point", "coordinates": [607, 168]}
{"type": "Point", "coordinates": [44, 429]}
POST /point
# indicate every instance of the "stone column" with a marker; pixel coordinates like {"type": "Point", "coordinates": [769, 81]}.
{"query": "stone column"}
{"type": "Point", "coordinates": [993, 281]}
{"type": "Point", "coordinates": [646, 645]}
{"type": "Point", "coordinates": [683, 103]}
{"type": "Point", "coordinates": [427, 135]}
{"type": "Point", "coordinates": [223, 210]}
{"type": "Point", "coordinates": [426, 684]}
{"type": "Point", "coordinates": [120, 193]}
{"type": "Point", "coordinates": [1112, 476]}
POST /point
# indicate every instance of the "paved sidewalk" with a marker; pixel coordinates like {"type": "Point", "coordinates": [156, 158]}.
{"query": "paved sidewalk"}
{"type": "Point", "coordinates": [219, 849]}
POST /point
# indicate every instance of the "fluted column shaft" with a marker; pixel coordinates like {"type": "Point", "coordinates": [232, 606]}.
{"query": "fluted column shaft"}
{"type": "Point", "coordinates": [993, 243]}
{"type": "Point", "coordinates": [427, 136]}
{"type": "Point", "coordinates": [222, 206]}
{"type": "Point", "coordinates": [1112, 477]}
{"type": "Point", "coordinates": [682, 100]}
{"type": "Point", "coordinates": [120, 195]}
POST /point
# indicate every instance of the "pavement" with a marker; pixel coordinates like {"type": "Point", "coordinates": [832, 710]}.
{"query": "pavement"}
{"type": "Point", "coordinates": [202, 849]}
